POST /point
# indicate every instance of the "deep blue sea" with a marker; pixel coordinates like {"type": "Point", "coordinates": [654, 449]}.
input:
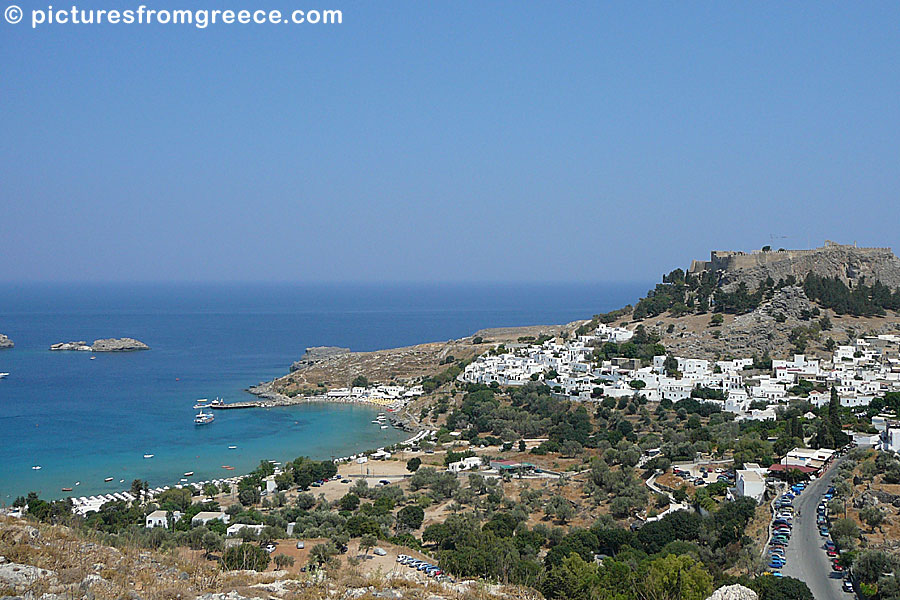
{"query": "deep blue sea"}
{"type": "Point", "coordinates": [84, 420]}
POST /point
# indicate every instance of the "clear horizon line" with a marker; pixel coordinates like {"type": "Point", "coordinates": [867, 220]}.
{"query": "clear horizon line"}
{"type": "Point", "coordinates": [325, 282]}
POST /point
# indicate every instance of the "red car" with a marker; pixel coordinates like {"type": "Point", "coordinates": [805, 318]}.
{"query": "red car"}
{"type": "Point", "coordinates": [831, 553]}
{"type": "Point", "coordinates": [837, 567]}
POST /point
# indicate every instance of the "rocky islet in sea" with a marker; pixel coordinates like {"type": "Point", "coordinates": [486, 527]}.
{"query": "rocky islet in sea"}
{"type": "Point", "coordinates": [102, 345]}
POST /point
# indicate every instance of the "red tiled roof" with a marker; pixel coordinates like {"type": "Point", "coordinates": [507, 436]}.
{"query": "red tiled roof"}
{"type": "Point", "coordinates": [779, 467]}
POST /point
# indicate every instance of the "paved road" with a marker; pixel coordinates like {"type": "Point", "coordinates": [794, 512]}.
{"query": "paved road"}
{"type": "Point", "coordinates": [806, 558]}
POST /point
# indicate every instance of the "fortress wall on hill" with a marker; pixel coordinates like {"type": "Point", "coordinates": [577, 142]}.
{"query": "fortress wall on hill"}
{"type": "Point", "coordinates": [848, 263]}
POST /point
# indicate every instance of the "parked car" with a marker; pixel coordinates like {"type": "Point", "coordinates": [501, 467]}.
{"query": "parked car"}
{"type": "Point", "coordinates": [847, 586]}
{"type": "Point", "coordinates": [300, 545]}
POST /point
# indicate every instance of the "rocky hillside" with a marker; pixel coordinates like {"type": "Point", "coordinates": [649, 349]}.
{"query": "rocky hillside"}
{"type": "Point", "coordinates": [850, 264]}
{"type": "Point", "coordinates": [58, 563]}
{"type": "Point", "coordinates": [788, 323]}
{"type": "Point", "coordinates": [337, 367]}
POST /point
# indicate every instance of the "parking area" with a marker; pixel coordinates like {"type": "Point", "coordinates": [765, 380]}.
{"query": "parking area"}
{"type": "Point", "coordinates": [423, 566]}
{"type": "Point", "coordinates": [700, 474]}
{"type": "Point", "coordinates": [810, 553]}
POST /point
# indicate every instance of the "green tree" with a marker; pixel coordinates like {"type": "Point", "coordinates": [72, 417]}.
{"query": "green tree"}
{"type": "Point", "coordinates": [210, 490]}
{"type": "Point", "coordinates": [178, 498]}
{"type": "Point", "coordinates": [360, 381]}
{"type": "Point", "coordinates": [869, 565]}
{"type": "Point", "coordinates": [137, 488]}
{"type": "Point", "coordinates": [561, 508]}
{"type": "Point", "coordinates": [249, 496]}
{"type": "Point", "coordinates": [349, 502]}
{"type": "Point", "coordinates": [212, 542]}
{"type": "Point", "coordinates": [322, 553]}
{"type": "Point", "coordinates": [283, 560]}
{"type": "Point", "coordinates": [872, 516]}
{"type": "Point", "coordinates": [366, 543]}
{"type": "Point", "coordinates": [246, 557]}
{"type": "Point", "coordinates": [305, 501]}
{"type": "Point", "coordinates": [768, 587]}
{"type": "Point", "coordinates": [413, 464]}
{"type": "Point", "coordinates": [410, 517]}
{"type": "Point", "coordinates": [573, 579]}
{"type": "Point", "coordinates": [676, 577]}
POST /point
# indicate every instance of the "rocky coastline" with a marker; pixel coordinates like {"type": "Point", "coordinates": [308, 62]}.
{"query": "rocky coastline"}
{"type": "Point", "coordinates": [5, 342]}
{"type": "Point", "coordinates": [101, 345]}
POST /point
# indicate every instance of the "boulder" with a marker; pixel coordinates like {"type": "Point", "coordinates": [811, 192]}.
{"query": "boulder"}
{"type": "Point", "coordinates": [15, 574]}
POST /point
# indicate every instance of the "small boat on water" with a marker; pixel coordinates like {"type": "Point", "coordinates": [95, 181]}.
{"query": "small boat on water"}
{"type": "Point", "coordinates": [203, 418]}
{"type": "Point", "coordinates": [384, 426]}
{"type": "Point", "coordinates": [148, 456]}
{"type": "Point", "coordinates": [228, 467]}
{"type": "Point", "coordinates": [201, 403]}
{"type": "Point", "coordinates": [189, 474]}
{"type": "Point", "coordinates": [232, 447]}
{"type": "Point", "coordinates": [93, 358]}
{"type": "Point", "coordinates": [217, 402]}
{"type": "Point", "coordinates": [36, 467]}
{"type": "Point", "coordinates": [67, 489]}
{"type": "Point", "coordinates": [77, 483]}
{"type": "Point", "coordinates": [120, 481]}
{"type": "Point", "coordinates": [2, 375]}
{"type": "Point", "coordinates": [108, 479]}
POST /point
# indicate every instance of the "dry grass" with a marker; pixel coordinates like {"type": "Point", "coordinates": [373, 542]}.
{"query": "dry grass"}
{"type": "Point", "coordinates": [130, 573]}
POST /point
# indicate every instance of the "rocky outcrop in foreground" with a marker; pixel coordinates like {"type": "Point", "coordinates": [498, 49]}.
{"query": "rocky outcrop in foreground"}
{"type": "Point", "coordinates": [733, 592]}
{"type": "Point", "coordinates": [5, 342]}
{"type": "Point", "coordinates": [104, 345]}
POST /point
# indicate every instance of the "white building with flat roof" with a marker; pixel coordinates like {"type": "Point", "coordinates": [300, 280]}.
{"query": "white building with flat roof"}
{"type": "Point", "coordinates": [159, 518]}
{"type": "Point", "coordinates": [204, 517]}
{"type": "Point", "coordinates": [750, 484]}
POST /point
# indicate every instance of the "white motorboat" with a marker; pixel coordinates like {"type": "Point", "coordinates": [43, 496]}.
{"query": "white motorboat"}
{"type": "Point", "coordinates": [148, 456]}
{"type": "Point", "coordinates": [203, 418]}
{"type": "Point", "coordinates": [2, 375]}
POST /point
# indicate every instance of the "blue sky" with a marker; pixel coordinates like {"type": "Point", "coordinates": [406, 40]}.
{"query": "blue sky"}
{"type": "Point", "coordinates": [446, 141]}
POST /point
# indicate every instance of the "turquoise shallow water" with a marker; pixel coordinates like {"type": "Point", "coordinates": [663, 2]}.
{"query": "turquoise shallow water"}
{"type": "Point", "coordinates": [85, 420]}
